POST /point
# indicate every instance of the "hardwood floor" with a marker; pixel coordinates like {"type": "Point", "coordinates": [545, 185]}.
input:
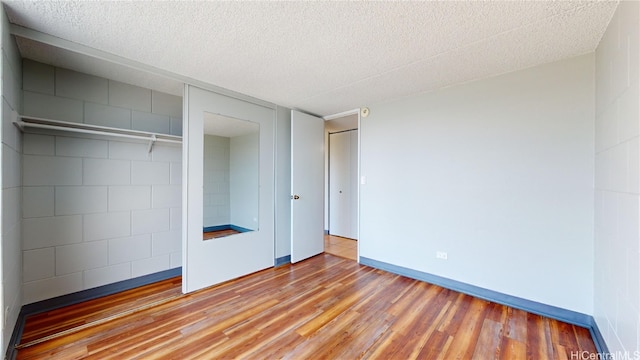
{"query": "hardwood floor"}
{"type": "Point", "coordinates": [218, 234]}
{"type": "Point", "coordinates": [339, 246]}
{"type": "Point", "coordinates": [91, 313]}
{"type": "Point", "coordinates": [325, 307]}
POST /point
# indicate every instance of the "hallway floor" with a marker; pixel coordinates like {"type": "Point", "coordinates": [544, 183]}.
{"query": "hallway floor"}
{"type": "Point", "coordinates": [339, 246]}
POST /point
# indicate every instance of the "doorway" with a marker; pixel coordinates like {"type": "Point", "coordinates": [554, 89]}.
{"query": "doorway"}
{"type": "Point", "coordinates": [341, 201]}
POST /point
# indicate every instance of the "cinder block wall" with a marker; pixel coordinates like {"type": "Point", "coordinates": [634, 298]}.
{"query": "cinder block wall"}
{"type": "Point", "coordinates": [66, 95]}
{"type": "Point", "coordinates": [617, 183]}
{"type": "Point", "coordinates": [97, 210]}
{"type": "Point", "coordinates": [11, 187]}
{"type": "Point", "coordinates": [216, 188]}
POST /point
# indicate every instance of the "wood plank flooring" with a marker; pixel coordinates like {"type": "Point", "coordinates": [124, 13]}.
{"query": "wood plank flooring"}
{"type": "Point", "coordinates": [89, 313]}
{"type": "Point", "coordinates": [326, 307]}
{"type": "Point", "coordinates": [218, 234]}
{"type": "Point", "coordinates": [339, 246]}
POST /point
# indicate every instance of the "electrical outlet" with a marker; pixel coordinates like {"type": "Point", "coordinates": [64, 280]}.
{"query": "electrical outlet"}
{"type": "Point", "coordinates": [441, 255]}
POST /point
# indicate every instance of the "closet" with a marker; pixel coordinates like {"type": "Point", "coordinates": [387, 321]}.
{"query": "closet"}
{"type": "Point", "coordinates": [343, 183]}
{"type": "Point", "coordinates": [104, 179]}
{"type": "Point", "coordinates": [342, 176]}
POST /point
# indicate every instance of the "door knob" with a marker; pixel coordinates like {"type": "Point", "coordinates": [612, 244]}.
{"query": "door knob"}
{"type": "Point", "coordinates": [295, 197]}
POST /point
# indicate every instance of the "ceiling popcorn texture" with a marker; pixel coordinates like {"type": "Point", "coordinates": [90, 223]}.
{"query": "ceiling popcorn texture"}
{"type": "Point", "coordinates": [320, 57]}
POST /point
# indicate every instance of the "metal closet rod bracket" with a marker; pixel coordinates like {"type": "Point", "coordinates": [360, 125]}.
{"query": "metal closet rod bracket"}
{"type": "Point", "coordinates": [151, 143]}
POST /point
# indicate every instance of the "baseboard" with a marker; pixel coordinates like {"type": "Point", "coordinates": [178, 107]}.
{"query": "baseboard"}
{"type": "Point", "coordinates": [326, 232]}
{"type": "Point", "coordinates": [15, 338]}
{"type": "Point", "coordinates": [568, 316]}
{"type": "Point", "coordinates": [239, 229]}
{"type": "Point", "coordinates": [225, 227]}
{"type": "Point", "coordinates": [283, 260]}
{"type": "Point", "coordinates": [553, 312]}
{"type": "Point", "coordinates": [78, 297]}
{"type": "Point", "coordinates": [598, 339]}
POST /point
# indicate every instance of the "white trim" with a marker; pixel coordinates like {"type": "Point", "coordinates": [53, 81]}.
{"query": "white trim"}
{"type": "Point", "coordinates": [44, 38]}
{"type": "Point", "coordinates": [342, 114]}
{"type": "Point", "coordinates": [185, 189]}
{"type": "Point", "coordinates": [358, 188]}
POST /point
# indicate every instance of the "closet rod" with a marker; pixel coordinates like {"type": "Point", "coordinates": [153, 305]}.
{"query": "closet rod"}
{"type": "Point", "coordinates": [22, 124]}
{"type": "Point", "coordinates": [40, 123]}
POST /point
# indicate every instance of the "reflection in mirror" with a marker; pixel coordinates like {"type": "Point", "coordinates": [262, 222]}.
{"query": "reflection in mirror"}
{"type": "Point", "coordinates": [231, 176]}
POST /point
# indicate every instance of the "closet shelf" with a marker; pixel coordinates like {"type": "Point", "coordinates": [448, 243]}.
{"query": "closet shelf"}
{"type": "Point", "coordinates": [42, 123]}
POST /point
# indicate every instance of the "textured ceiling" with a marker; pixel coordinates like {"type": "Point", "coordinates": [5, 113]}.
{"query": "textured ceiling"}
{"type": "Point", "coordinates": [220, 125]}
{"type": "Point", "coordinates": [321, 57]}
{"type": "Point", "coordinates": [348, 122]}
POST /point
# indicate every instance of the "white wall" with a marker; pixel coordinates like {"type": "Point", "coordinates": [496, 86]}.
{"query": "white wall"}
{"type": "Point", "coordinates": [216, 189]}
{"type": "Point", "coordinates": [617, 181]}
{"type": "Point", "coordinates": [244, 192]}
{"type": "Point", "coordinates": [97, 210]}
{"type": "Point", "coordinates": [10, 191]}
{"type": "Point", "coordinates": [498, 173]}
{"type": "Point", "coordinates": [283, 182]}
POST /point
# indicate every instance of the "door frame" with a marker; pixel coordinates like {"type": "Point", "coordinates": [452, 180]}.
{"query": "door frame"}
{"type": "Point", "coordinates": [360, 179]}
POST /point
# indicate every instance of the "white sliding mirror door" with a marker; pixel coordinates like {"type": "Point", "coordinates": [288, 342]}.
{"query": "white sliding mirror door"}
{"type": "Point", "coordinates": [228, 198]}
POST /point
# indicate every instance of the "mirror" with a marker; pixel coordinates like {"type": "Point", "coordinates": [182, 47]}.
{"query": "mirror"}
{"type": "Point", "coordinates": [231, 176]}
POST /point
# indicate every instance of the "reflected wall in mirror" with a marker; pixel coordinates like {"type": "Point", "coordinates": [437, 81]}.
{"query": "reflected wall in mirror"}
{"type": "Point", "coordinates": [231, 176]}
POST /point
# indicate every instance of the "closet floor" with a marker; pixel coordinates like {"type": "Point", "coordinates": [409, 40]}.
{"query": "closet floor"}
{"type": "Point", "coordinates": [53, 323]}
{"type": "Point", "coordinates": [218, 234]}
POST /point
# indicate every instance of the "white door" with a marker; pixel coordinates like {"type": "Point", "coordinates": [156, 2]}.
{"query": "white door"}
{"type": "Point", "coordinates": [307, 186]}
{"type": "Point", "coordinates": [208, 262]}
{"type": "Point", "coordinates": [343, 187]}
{"type": "Point", "coordinates": [339, 191]}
